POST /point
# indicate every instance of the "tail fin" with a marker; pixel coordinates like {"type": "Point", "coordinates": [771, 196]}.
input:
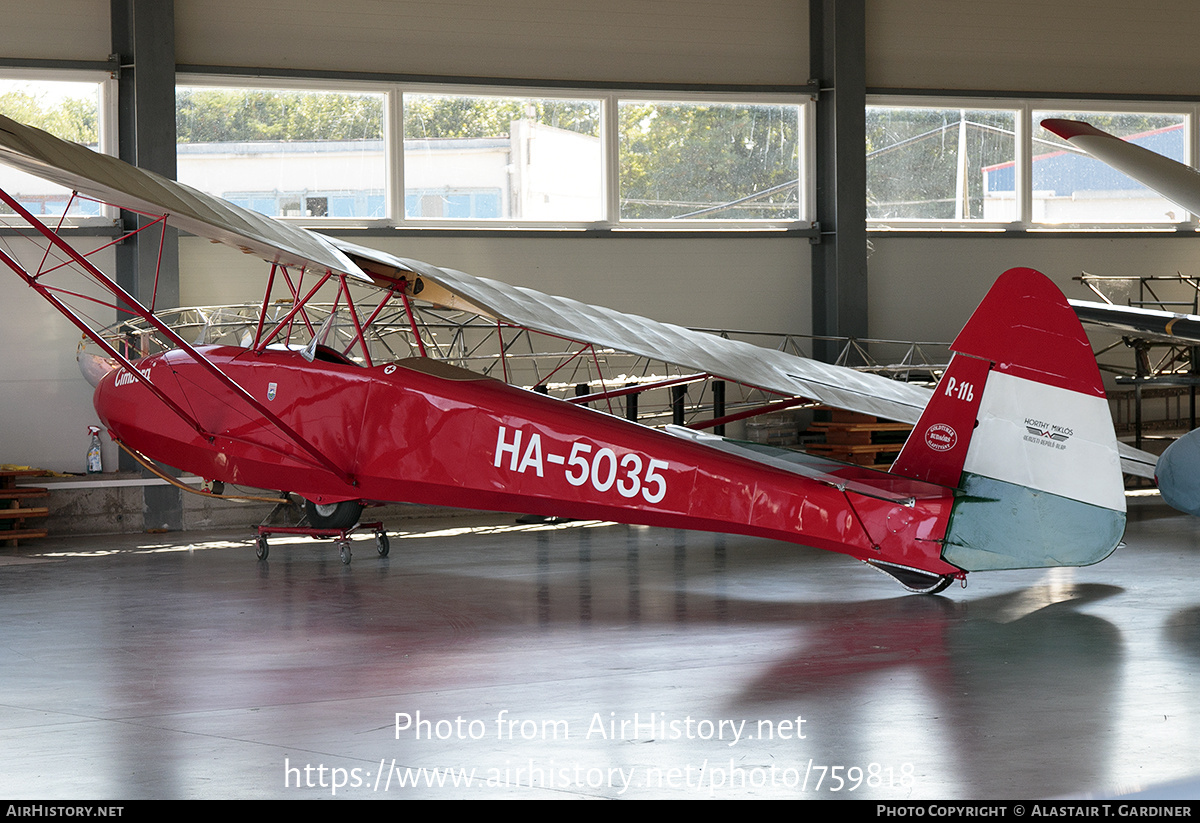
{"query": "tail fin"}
{"type": "Point", "coordinates": [1020, 424]}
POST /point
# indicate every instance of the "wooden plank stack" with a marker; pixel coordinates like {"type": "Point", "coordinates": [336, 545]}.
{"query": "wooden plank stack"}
{"type": "Point", "coordinates": [860, 438]}
{"type": "Point", "coordinates": [14, 508]}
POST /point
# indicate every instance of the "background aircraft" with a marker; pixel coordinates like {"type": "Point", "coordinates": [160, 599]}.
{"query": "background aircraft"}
{"type": "Point", "coordinates": [1012, 464]}
{"type": "Point", "coordinates": [1178, 470]}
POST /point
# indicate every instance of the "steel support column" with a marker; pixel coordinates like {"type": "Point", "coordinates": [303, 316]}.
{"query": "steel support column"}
{"type": "Point", "coordinates": [143, 33]}
{"type": "Point", "coordinates": [143, 38]}
{"type": "Point", "coordinates": [839, 260]}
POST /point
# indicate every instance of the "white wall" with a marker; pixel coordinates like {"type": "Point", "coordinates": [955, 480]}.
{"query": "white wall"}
{"type": "Point", "coordinates": [752, 283]}
{"type": "Point", "coordinates": [1108, 47]}
{"type": "Point", "coordinates": [667, 41]}
{"type": "Point", "coordinates": [45, 404]}
{"type": "Point", "coordinates": [920, 287]}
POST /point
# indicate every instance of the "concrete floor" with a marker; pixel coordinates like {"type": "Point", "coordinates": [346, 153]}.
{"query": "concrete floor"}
{"type": "Point", "coordinates": [579, 657]}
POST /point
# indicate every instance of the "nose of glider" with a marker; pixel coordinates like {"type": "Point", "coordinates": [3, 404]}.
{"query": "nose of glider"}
{"type": "Point", "coordinates": [1178, 473]}
{"type": "Point", "coordinates": [93, 367]}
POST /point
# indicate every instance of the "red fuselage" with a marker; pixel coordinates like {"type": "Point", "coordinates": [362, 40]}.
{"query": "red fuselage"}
{"type": "Point", "coordinates": [421, 431]}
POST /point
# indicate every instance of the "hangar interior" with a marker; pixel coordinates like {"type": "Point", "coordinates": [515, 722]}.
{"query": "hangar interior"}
{"type": "Point", "coordinates": [589, 659]}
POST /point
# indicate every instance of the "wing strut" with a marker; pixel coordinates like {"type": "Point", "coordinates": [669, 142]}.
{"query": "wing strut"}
{"type": "Point", "coordinates": [137, 308]}
{"type": "Point", "coordinates": [104, 345]}
{"type": "Point", "coordinates": [412, 322]}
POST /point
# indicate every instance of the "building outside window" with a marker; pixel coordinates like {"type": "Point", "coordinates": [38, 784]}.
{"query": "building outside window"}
{"type": "Point", "coordinates": [71, 109]}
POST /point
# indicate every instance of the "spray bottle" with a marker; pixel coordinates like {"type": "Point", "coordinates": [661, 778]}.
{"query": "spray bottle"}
{"type": "Point", "coordinates": [94, 465]}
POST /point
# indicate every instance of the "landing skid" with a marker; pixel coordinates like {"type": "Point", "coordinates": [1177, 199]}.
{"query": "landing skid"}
{"type": "Point", "coordinates": [342, 536]}
{"type": "Point", "coordinates": [914, 580]}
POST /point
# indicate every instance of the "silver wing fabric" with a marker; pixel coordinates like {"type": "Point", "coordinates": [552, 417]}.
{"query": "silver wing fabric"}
{"type": "Point", "coordinates": [113, 181]}
{"type": "Point", "coordinates": [1149, 324]}
{"type": "Point", "coordinates": [733, 360]}
{"type": "Point", "coordinates": [728, 359]}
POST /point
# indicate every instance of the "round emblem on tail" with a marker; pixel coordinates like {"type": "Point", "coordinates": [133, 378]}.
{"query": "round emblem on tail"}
{"type": "Point", "coordinates": [940, 437]}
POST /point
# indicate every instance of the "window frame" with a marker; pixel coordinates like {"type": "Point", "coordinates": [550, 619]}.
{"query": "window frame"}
{"type": "Point", "coordinates": [106, 128]}
{"type": "Point", "coordinates": [401, 220]}
{"type": "Point", "coordinates": [395, 216]}
{"type": "Point", "coordinates": [1076, 109]}
{"type": "Point", "coordinates": [1020, 150]}
{"type": "Point", "coordinates": [805, 160]}
{"type": "Point", "coordinates": [390, 101]}
{"type": "Point", "coordinates": [1024, 107]}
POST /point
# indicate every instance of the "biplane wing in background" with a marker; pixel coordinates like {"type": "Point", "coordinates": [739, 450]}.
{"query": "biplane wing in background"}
{"type": "Point", "coordinates": [1143, 324]}
{"type": "Point", "coordinates": [1178, 470]}
{"type": "Point", "coordinates": [1016, 442]}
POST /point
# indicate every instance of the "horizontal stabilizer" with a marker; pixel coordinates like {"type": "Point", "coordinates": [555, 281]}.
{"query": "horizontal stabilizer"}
{"type": "Point", "coordinates": [858, 479]}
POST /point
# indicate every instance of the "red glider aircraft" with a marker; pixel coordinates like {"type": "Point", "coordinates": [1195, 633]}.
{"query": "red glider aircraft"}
{"type": "Point", "coordinates": [1013, 462]}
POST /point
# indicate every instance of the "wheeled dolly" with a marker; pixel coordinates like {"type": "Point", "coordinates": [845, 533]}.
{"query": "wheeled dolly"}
{"type": "Point", "coordinates": [342, 536]}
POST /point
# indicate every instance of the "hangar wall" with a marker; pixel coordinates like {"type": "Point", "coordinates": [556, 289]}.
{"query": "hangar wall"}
{"type": "Point", "coordinates": [921, 286]}
{"type": "Point", "coordinates": [670, 41]}
{"type": "Point", "coordinates": [1107, 47]}
{"type": "Point", "coordinates": [66, 30]}
{"type": "Point", "coordinates": [733, 281]}
{"type": "Point", "coordinates": [730, 283]}
{"type": "Point", "coordinates": [925, 286]}
{"type": "Point", "coordinates": [45, 404]}
{"type": "Point", "coordinates": [727, 282]}
{"type": "Point", "coordinates": [925, 289]}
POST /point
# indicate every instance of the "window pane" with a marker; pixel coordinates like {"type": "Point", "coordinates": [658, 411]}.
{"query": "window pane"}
{"type": "Point", "coordinates": [940, 164]}
{"type": "Point", "coordinates": [1069, 187]}
{"type": "Point", "coordinates": [513, 158]}
{"type": "Point", "coordinates": [282, 152]}
{"type": "Point", "coordinates": [709, 161]}
{"type": "Point", "coordinates": [67, 110]}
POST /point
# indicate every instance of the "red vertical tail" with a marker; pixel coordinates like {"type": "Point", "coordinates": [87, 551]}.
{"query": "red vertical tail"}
{"type": "Point", "coordinates": [1020, 425]}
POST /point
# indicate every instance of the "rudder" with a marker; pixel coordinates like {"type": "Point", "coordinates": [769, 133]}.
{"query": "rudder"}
{"type": "Point", "coordinates": [1040, 478]}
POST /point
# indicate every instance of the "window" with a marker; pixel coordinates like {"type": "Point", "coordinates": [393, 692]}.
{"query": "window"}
{"type": "Point", "coordinates": [1070, 187]}
{"type": "Point", "coordinates": [70, 109]}
{"type": "Point", "coordinates": [964, 164]}
{"type": "Point", "coordinates": [285, 152]}
{"type": "Point", "coordinates": [709, 161]}
{"type": "Point", "coordinates": [347, 204]}
{"type": "Point", "coordinates": [456, 204]}
{"type": "Point", "coordinates": [487, 157]}
{"type": "Point", "coordinates": [933, 163]}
